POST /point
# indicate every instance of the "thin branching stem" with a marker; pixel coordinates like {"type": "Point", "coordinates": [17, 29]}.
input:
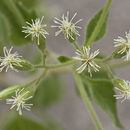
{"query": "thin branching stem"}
{"type": "Point", "coordinates": [87, 101]}
{"type": "Point", "coordinates": [71, 62]}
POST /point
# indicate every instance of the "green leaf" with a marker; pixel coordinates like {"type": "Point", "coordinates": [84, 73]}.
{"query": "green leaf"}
{"type": "Point", "coordinates": [4, 28]}
{"type": "Point", "coordinates": [28, 14]}
{"type": "Point", "coordinates": [16, 122]}
{"type": "Point", "coordinates": [17, 17]}
{"type": "Point", "coordinates": [63, 59]}
{"type": "Point", "coordinates": [4, 32]}
{"type": "Point", "coordinates": [101, 92]}
{"type": "Point", "coordinates": [17, 37]}
{"type": "Point", "coordinates": [92, 24]}
{"type": "Point", "coordinates": [48, 92]}
{"type": "Point", "coordinates": [28, 3]}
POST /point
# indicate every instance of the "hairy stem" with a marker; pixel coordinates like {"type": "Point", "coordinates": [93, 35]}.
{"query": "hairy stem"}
{"type": "Point", "coordinates": [87, 101]}
{"type": "Point", "coordinates": [99, 24]}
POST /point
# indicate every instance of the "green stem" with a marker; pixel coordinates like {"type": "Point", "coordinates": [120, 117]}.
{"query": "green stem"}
{"type": "Point", "coordinates": [16, 13]}
{"type": "Point", "coordinates": [87, 101]}
{"type": "Point", "coordinates": [76, 45]}
{"type": "Point", "coordinates": [122, 64]}
{"type": "Point", "coordinates": [44, 59]}
{"type": "Point", "coordinates": [37, 80]}
{"type": "Point", "coordinates": [109, 71]}
{"type": "Point", "coordinates": [99, 24]}
{"type": "Point", "coordinates": [71, 62]}
{"type": "Point", "coordinates": [41, 76]}
{"type": "Point", "coordinates": [108, 59]}
{"type": "Point", "coordinates": [29, 83]}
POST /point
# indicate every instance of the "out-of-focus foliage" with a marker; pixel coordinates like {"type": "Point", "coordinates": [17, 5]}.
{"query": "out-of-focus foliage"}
{"type": "Point", "coordinates": [13, 15]}
{"type": "Point", "coordinates": [48, 92]}
{"type": "Point", "coordinates": [16, 122]}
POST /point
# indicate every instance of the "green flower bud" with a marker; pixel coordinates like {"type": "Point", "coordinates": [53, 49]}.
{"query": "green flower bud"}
{"type": "Point", "coordinates": [120, 51]}
{"type": "Point", "coordinates": [118, 83]}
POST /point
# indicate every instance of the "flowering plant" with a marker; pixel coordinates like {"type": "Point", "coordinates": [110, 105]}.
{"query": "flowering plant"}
{"type": "Point", "coordinates": [93, 72]}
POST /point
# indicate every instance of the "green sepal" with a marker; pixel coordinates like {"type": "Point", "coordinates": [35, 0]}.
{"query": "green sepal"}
{"type": "Point", "coordinates": [24, 65]}
{"type": "Point", "coordinates": [9, 91]}
{"type": "Point", "coordinates": [74, 38]}
{"type": "Point", "coordinates": [118, 82]}
{"type": "Point", "coordinates": [118, 55]}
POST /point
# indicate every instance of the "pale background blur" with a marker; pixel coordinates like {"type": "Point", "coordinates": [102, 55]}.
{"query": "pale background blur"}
{"type": "Point", "coordinates": [71, 112]}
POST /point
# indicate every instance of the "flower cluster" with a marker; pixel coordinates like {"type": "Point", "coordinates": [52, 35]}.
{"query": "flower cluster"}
{"type": "Point", "coordinates": [124, 91]}
{"type": "Point", "coordinates": [9, 60]}
{"type": "Point", "coordinates": [124, 45]}
{"type": "Point", "coordinates": [19, 101]}
{"type": "Point", "coordinates": [87, 60]}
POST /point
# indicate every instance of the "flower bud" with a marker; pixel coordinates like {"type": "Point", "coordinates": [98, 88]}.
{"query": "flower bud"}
{"type": "Point", "coordinates": [119, 53]}
{"type": "Point", "coordinates": [118, 82]}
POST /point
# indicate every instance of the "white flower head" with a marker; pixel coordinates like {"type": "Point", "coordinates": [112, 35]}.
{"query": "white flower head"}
{"type": "Point", "coordinates": [87, 60]}
{"type": "Point", "coordinates": [19, 101]}
{"type": "Point", "coordinates": [9, 60]}
{"type": "Point", "coordinates": [35, 29]}
{"type": "Point", "coordinates": [124, 44]}
{"type": "Point", "coordinates": [124, 91]}
{"type": "Point", "coordinates": [67, 26]}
